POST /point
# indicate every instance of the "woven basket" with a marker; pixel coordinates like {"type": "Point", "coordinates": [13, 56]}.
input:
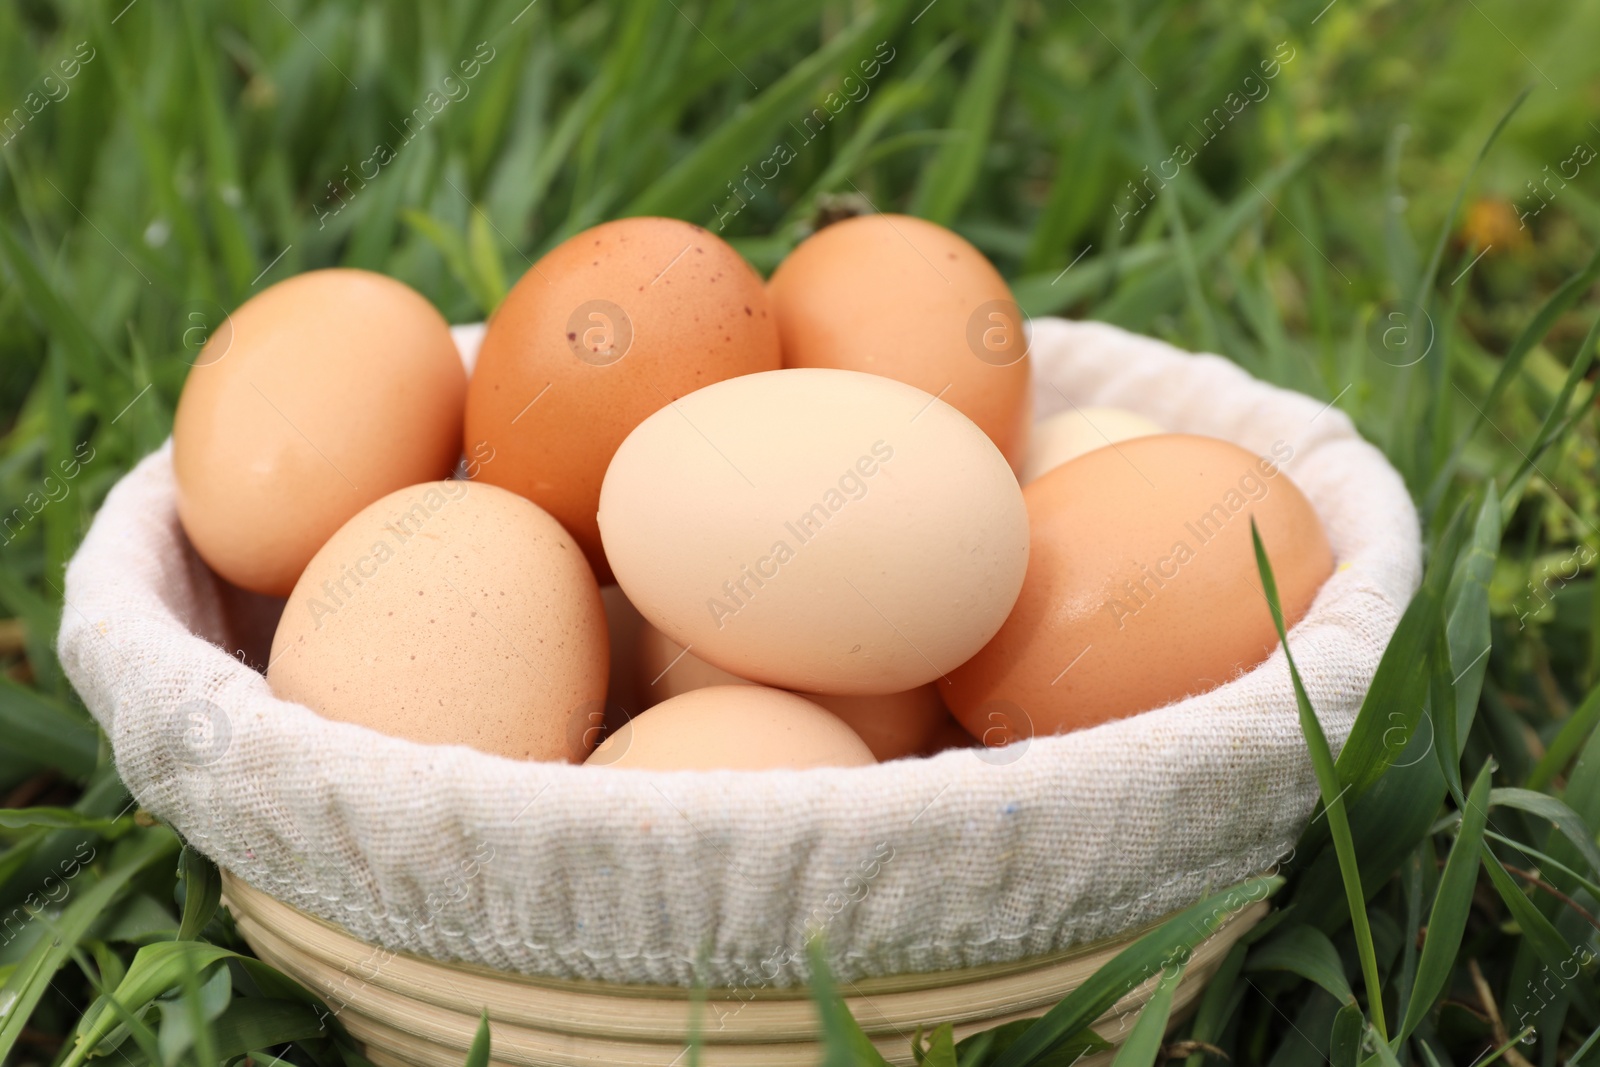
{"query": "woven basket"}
{"type": "Point", "coordinates": [414, 1012]}
{"type": "Point", "coordinates": [416, 885]}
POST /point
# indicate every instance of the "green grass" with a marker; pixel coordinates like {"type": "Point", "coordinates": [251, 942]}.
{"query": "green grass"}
{"type": "Point", "coordinates": [1329, 231]}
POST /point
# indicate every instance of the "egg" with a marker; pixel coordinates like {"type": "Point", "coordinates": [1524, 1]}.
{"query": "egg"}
{"type": "Point", "coordinates": [450, 613]}
{"type": "Point", "coordinates": [736, 728]}
{"type": "Point", "coordinates": [821, 530]}
{"type": "Point", "coordinates": [894, 725]}
{"type": "Point", "coordinates": [667, 669]}
{"type": "Point", "coordinates": [1142, 585]}
{"type": "Point", "coordinates": [610, 326]}
{"type": "Point", "coordinates": [1071, 433]}
{"type": "Point", "coordinates": [951, 734]}
{"type": "Point", "coordinates": [624, 626]}
{"type": "Point", "coordinates": [316, 397]}
{"type": "Point", "coordinates": [908, 299]}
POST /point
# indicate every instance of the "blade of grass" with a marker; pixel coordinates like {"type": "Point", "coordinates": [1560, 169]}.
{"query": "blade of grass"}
{"type": "Point", "coordinates": [682, 189]}
{"type": "Point", "coordinates": [1188, 264]}
{"type": "Point", "coordinates": [1130, 968]}
{"type": "Point", "coordinates": [941, 1049]}
{"type": "Point", "coordinates": [844, 1043]}
{"type": "Point", "coordinates": [1332, 797]}
{"type": "Point", "coordinates": [1547, 863]}
{"type": "Point", "coordinates": [155, 969]}
{"type": "Point", "coordinates": [478, 1053]}
{"type": "Point", "coordinates": [1344, 1044]}
{"type": "Point", "coordinates": [1581, 1055]}
{"type": "Point", "coordinates": [28, 984]}
{"type": "Point", "coordinates": [980, 1050]}
{"type": "Point", "coordinates": [1398, 688]}
{"type": "Point", "coordinates": [1079, 184]}
{"type": "Point", "coordinates": [1555, 419]}
{"type": "Point", "coordinates": [949, 179]}
{"type": "Point", "coordinates": [1413, 879]}
{"type": "Point", "coordinates": [1052, 292]}
{"type": "Point", "coordinates": [1467, 612]}
{"type": "Point", "coordinates": [1137, 302]}
{"type": "Point", "coordinates": [1447, 921]}
{"type": "Point", "coordinates": [93, 365]}
{"type": "Point", "coordinates": [1143, 1045]}
{"type": "Point", "coordinates": [1510, 366]}
{"type": "Point", "coordinates": [57, 819]}
{"type": "Point", "coordinates": [1566, 821]}
{"type": "Point", "coordinates": [1425, 282]}
{"type": "Point", "coordinates": [1540, 934]}
{"type": "Point", "coordinates": [254, 1023]}
{"type": "Point", "coordinates": [1217, 1002]}
{"type": "Point", "coordinates": [1568, 740]}
{"type": "Point", "coordinates": [47, 731]}
{"type": "Point", "coordinates": [892, 101]}
{"type": "Point", "coordinates": [1560, 433]}
{"type": "Point", "coordinates": [1442, 709]}
{"type": "Point", "coordinates": [1304, 951]}
{"type": "Point", "coordinates": [202, 892]}
{"type": "Point", "coordinates": [1400, 249]}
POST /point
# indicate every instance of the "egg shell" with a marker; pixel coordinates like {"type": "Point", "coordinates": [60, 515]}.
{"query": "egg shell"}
{"type": "Point", "coordinates": [1142, 585]}
{"type": "Point", "coordinates": [908, 299]}
{"type": "Point", "coordinates": [314, 398]}
{"type": "Point", "coordinates": [450, 613]}
{"type": "Point", "coordinates": [950, 734]}
{"type": "Point", "coordinates": [624, 626]}
{"type": "Point", "coordinates": [667, 669]}
{"type": "Point", "coordinates": [894, 725]}
{"type": "Point", "coordinates": [608, 327]}
{"type": "Point", "coordinates": [1069, 434]}
{"type": "Point", "coordinates": [739, 728]}
{"type": "Point", "coordinates": [820, 530]}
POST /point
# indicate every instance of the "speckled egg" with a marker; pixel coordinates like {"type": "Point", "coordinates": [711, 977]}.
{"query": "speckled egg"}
{"type": "Point", "coordinates": [610, 326]}
{"type": "Point", "coordinates": [450, 613]}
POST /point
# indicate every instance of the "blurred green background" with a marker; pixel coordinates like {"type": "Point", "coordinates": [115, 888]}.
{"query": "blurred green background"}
{"type": "Point", "coordinates": [1296, 186]}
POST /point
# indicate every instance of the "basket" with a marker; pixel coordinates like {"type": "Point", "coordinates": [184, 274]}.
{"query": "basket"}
{"type": "Point", "coordinates": [971, 886]}
{"type": "Point", "coordinates": [413, 1012]}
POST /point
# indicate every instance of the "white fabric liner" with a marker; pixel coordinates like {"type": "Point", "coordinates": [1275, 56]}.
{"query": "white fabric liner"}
{"type": "Point", "coordinates": [912, 866]}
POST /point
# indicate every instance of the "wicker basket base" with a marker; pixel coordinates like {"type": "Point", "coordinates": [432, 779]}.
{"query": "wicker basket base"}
{"type": "Point", "coordinates": [415, 1012]}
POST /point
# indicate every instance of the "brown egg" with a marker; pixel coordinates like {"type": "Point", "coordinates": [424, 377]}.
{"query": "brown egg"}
{"type": "Point", "coordinates": [450, 613]}
{"type": "Point", "coordinates": [733, 727]}
{"type": "Point", "coordinates": [667, 669]}
{"type": "Point", "coordinates": [1142, 585]}
{"type": "Point", "coordinates": [951, 734]}
{"type": "Point", "coordinates": [893, 726]}
{"type": "Point", "coordinates": [896, 725]}
{"type": "Point", "coordinates": [624, 625]}
{"type": "Point", "coordinates": [610, 326]}
{"type": "Point", "coordinates": [318, 396]}
{"type": "Point", "coordinates": [908, 299]}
